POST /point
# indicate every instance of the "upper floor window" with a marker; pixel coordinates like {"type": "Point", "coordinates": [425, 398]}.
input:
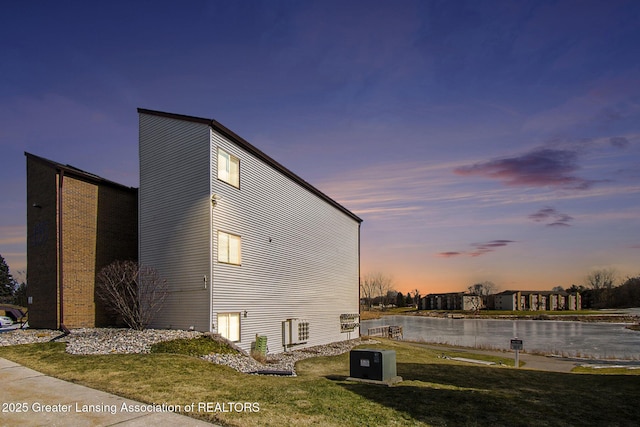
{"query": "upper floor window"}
{"type": "Point", "coordinates": [228, 248]}
{"type": "Point", "coordinates": [228, 168]}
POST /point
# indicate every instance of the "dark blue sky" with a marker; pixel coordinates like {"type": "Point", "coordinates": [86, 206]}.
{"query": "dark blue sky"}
{"type": "Point", "coordinates": [493, 140]}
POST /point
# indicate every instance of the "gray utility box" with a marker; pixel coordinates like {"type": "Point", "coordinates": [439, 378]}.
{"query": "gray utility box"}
{"type": "Point", "coordinates": [379, 365]}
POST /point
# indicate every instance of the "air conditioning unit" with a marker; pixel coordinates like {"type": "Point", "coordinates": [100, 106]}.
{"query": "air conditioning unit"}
{"type": "Point", "coordinates": [295, 332]}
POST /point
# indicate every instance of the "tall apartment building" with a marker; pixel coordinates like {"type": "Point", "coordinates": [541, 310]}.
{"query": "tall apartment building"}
{"type": "Point", "coordinates": [248, 248]}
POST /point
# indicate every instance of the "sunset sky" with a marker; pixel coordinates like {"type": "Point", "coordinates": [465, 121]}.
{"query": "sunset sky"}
{"type": "Point", "coordinates": [478, 140]}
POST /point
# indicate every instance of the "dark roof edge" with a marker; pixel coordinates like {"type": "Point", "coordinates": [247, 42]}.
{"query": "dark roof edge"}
{"type": "Point", "coordinates": [511, 292]}
{"type": "Point", "coordinates": [236, 139]}
{"type": "Point", "coordinates": [79, 173]}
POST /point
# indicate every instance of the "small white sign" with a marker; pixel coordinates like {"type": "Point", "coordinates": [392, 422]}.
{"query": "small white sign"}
{"type": "Point", "coordinates": [516, 344]}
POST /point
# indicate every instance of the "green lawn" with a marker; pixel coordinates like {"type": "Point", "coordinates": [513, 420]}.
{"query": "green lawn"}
{"type": "Point", "coordinates": [436, 391]}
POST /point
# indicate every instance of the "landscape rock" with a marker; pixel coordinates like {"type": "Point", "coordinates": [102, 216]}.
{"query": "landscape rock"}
{"type": "Point", "coordinates": [278, 364]}
{"type": "Point", "coordinates": [26, 336]}
{"type": "Point", "coordinates": [88, 341]}
{"type": "Point", "coordinates": [120, 341]}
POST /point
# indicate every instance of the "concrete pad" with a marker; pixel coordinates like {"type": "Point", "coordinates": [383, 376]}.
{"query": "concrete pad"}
{"type": "Point", "coordinates": [480, 362]}
{"type": "Point", "coordinates": [31, 398]}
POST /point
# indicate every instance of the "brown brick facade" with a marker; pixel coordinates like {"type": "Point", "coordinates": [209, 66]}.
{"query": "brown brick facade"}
{"type": "Point", "coordinates": [79, 218]}
{"type": "Point", "coordinates": [99, 226]}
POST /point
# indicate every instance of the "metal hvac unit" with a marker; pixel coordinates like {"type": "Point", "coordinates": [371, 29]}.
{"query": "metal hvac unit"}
{"type": "Point", "coordinates": [378, 365]}
{"type": "Point", "coordinates": [295, 332]}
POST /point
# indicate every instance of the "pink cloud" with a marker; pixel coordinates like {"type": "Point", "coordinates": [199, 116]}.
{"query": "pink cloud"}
{"type": "Point", "coordinates": [552, 217]}
{"type": "Point", "coordinates": [449, 254]}
{"type": "Point", "coordinates": [538, 168]}
{"type": "Point", "coordinates": [478, 249]}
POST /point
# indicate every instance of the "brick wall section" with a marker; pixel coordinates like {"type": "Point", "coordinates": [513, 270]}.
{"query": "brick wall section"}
{"type": "Point", "coordinates": [117, 233]}
{"type": "Point", "coordinates": [99, 226]}
{"type": "Point", "coordinates": [42, 241]}
{"type": "Point", "coordinates": [79, 226]}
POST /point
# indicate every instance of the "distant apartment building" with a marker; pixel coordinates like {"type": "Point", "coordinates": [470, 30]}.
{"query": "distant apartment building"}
{"type": "Point", "coordinates": [536, 301]}
{"type": "Point", "coordinates": [452, 301]}
{"type": "Point", "coordinates": [507, 300]}
{"type": "Point", "coordinates": [77, 223]}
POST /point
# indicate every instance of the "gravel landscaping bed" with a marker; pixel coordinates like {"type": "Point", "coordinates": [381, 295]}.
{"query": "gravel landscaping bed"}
{"type": "Point", "coordinates": [120, 341]}
{"type": "Point", "coordinates": [98, 340]}
{"type": "Point", "coordinates": [283, 363]}
{"type": "Point", "coordinates": [27, 336]}
{"type": "Point", "coordinates": [127, 341]}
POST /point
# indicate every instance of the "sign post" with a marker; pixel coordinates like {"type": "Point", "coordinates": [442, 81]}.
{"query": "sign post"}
{"type": "Point", "coordinates": [517, 345]}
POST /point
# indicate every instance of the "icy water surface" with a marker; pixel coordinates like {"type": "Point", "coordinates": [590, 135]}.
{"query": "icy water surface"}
{"type": "Point", "coordinates": [573, 339]}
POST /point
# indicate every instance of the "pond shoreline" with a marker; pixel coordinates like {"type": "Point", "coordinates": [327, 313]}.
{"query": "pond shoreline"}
{"type": "Point", "coordinates": [631, 319]}
{"type": "Point", "coordinates": [562, 336]}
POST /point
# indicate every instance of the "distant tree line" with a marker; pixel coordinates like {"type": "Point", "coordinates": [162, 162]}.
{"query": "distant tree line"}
{"type": "Point", "coordinates": [11, 292]}
{"type": "Point", "coordinates": [602, 289]}
{"type": "Point", "coordinates": [376, 290]}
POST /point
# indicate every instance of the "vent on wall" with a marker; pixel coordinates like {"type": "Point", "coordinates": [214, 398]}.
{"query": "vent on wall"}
{"type": "Point", "coordinates": [295, 332]}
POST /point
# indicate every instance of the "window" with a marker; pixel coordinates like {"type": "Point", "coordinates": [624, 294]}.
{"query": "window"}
{"type": "Point", "coordinates": [229, 326]}
{"type": "Point", "coordinates": [228, 168]}
{"type": "Point", "coordinates": [228, 248]}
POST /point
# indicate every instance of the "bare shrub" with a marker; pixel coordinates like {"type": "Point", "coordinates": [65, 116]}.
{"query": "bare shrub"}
{"type": "Point", "coordinates": [135, 293]}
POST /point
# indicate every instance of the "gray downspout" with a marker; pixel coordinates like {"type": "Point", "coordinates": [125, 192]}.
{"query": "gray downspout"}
{"type": "Point", "coordinates": [61, 251]}
{"type": "Point", "coordinates": [63, 328]}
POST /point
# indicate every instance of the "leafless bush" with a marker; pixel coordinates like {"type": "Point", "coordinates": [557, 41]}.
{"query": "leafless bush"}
{"type": "Point", "coordinates": [135, 293]}
{"type": "Point", "coordinates": [376, 285]}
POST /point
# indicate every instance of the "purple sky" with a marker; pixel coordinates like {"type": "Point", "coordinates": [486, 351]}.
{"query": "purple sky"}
{"type": "Point", "coordinates": [492, 140]}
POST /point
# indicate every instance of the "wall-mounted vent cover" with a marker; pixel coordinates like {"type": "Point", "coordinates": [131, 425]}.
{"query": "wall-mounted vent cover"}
{"type": "Point", "coordinates": [303, 331]}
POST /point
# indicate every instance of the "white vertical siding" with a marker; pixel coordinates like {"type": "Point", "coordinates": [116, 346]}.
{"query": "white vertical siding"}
{"type": "Point", "coordinates": [300, 255]}
{"type": "Point", "coordinates": [174, 199]}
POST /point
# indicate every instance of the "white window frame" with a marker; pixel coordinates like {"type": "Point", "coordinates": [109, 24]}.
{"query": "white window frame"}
{"type": "Point", "coordinates": [228, 168]}
{"type": "Point", "coordinates": [229, 248]}
{"type": "Point", "coordinates": [229, 326]}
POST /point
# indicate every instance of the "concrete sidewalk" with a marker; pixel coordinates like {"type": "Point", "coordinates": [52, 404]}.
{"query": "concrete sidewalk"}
{"type": "Point", "coordinates": [30, 398]}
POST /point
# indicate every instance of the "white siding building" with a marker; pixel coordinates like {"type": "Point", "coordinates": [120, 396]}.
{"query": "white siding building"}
{"type": "Point", "coordinates": [248, 247]}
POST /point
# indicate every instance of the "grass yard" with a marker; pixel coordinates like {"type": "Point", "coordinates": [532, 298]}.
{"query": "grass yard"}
{"type": "Point", "coordinates": [435, 392]}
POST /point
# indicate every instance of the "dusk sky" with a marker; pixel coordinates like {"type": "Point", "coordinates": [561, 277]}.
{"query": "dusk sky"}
{"type": "Point", "coordinates": [478, 140]}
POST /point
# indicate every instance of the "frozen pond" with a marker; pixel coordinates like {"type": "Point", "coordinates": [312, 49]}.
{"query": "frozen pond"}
{"type": "Point", "coordinates": [565, 338]}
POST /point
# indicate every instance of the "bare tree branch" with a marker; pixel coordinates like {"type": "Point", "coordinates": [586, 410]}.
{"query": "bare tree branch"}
{"type": "Point", "coordinates": [483, 288]}
{"type": "Point", "coordinates": [377, 285]}
{"type": "Point", "coordinates": [602, 279]}
{"type": "Point", "coordinates": [367, 290]}
{"type": "Point", "coordinates": [416, 298]}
